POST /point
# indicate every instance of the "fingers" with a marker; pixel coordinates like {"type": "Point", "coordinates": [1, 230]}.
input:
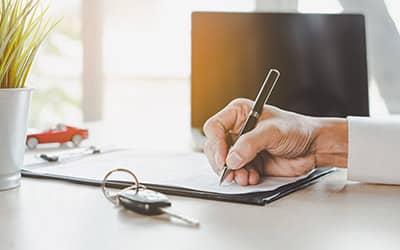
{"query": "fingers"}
{"type": "Point", "coordinates": [273, 166]}
{"type": "Point", "coordinates": [254, 177]}
{"type": "Point", "coordinates": [250, 174]}
{"type": "Point", "coordinates": [216, 129]}
{"type": "Point", "coordinates": [230, 177]}
{"type": "Point", "coordinates": [242, 177]}
{"type": "Point", "coordinates": [229, 118]}
{"type": "Point", "coordinates": [216, 152]}
{"type": "Point", "coordinates": [288, 167]}
{"type": "Point", "coordinates": [246, 177]}
{"type": "Point", "coordinates": [249, 145]}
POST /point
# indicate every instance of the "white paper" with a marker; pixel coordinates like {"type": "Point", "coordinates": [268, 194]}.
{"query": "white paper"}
{"type": "Point", "coordinates": [187, 170]}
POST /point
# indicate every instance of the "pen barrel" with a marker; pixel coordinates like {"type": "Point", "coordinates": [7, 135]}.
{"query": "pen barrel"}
{"type": "Point", "coordinates": [250, 123]}
{"type": "Point", "coordinates": [266, 90]}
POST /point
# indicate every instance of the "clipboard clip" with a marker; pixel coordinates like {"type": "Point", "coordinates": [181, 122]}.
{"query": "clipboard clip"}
{"type": "Point", "coordinates": [70, 154]}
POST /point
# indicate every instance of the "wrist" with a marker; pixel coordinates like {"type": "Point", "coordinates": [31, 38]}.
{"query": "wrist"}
{"type": "Point", "coordinates": [331, 143]}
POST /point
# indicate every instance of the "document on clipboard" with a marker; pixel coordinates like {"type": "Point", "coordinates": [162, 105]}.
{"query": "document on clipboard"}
{"type": "Point", "coordinates": [187, 174]}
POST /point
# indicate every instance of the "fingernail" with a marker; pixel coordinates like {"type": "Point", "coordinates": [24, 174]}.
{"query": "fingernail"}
{"type": "Point", "coordinates": [234, 160]}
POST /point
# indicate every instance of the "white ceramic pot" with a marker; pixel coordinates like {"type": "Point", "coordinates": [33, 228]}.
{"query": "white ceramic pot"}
{"type": "Point", "coordinates": [14, 108]}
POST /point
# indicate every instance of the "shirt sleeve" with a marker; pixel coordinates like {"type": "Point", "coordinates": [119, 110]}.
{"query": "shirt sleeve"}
{"type": "Point", "coordinates": [374, 150]}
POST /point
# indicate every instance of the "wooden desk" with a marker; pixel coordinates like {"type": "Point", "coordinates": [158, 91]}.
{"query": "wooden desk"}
{"type": "Point", "coordinates": [333, 214]}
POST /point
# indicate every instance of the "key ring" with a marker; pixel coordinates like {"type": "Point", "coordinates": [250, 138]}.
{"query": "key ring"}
{"type": "Point", "coordinates": [114, 198]}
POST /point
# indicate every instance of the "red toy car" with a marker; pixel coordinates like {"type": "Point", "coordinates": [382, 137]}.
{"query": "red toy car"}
{"type": "Point", "coordinates": [60, 134]}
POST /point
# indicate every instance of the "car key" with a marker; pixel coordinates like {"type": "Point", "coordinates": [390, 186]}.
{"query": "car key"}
{"type": "Point", "coordinates": [150, 202]}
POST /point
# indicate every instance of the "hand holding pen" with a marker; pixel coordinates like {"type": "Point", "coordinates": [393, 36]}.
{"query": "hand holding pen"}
{"type": "Point", "coordinates": [281, 143]}
{"type": "Point", "coordinates": [251, 121]}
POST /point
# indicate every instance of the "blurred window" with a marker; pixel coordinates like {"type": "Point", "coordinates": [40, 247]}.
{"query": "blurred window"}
{"type": "Point", "coordinates": [146, 52]}
{"type": "Point", "coordinates": [56, 73]}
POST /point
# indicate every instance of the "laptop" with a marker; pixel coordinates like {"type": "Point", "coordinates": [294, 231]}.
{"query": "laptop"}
{"type": "Point", "coordinates": [322, 59]}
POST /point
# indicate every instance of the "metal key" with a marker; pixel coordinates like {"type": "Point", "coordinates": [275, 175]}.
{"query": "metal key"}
{"type": "Point", "coordinates": [150, 202]}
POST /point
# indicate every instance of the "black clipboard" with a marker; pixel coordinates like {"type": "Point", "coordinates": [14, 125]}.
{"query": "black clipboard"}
{"type": "Point", "coordinates": [255, 198]}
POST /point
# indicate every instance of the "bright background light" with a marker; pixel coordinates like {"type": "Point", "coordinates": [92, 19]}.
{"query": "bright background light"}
{"type": "Point", "coordinates": [146, 52]}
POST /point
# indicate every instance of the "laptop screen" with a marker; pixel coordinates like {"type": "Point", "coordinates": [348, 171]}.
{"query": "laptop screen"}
{"type": "Point", "coordinates": [321, 57]}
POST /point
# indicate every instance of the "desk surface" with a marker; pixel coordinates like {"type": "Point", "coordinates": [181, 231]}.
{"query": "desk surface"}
{"type": "Point", "coordinates": [332, 214]}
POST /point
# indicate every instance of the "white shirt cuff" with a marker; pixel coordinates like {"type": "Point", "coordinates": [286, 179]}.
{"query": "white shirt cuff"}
{"type": "Point", "coordinates": [374, 150]}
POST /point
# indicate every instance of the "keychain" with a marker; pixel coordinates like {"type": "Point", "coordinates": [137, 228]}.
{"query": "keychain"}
{"type": "Point", "coordinates": [141, 200]}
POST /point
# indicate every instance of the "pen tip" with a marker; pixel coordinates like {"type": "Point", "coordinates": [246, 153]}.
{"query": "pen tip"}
{"type": "Point", "coordinates": [222, 176]}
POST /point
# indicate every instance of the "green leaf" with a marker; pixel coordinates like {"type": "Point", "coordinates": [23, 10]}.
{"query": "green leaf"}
{"type": "Point", "coordinates": [23, 28]}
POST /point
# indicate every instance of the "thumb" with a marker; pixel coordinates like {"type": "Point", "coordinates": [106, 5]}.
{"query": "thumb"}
{"type": "Point", "coordinates": [248, 146]}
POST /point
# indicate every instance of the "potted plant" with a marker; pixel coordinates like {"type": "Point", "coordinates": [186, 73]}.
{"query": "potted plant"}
{"type": "Point", "coordinates": [23, 27]}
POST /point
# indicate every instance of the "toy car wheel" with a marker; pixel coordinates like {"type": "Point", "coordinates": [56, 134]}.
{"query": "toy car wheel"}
{"type": "Point", "coordinates": [32, 143]}
{"type": "Point", "coordinates": [76, 140]}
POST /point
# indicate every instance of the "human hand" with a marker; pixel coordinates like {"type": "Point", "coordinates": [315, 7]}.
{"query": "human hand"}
{"type": "Point", "coordinates": [282, 143]}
